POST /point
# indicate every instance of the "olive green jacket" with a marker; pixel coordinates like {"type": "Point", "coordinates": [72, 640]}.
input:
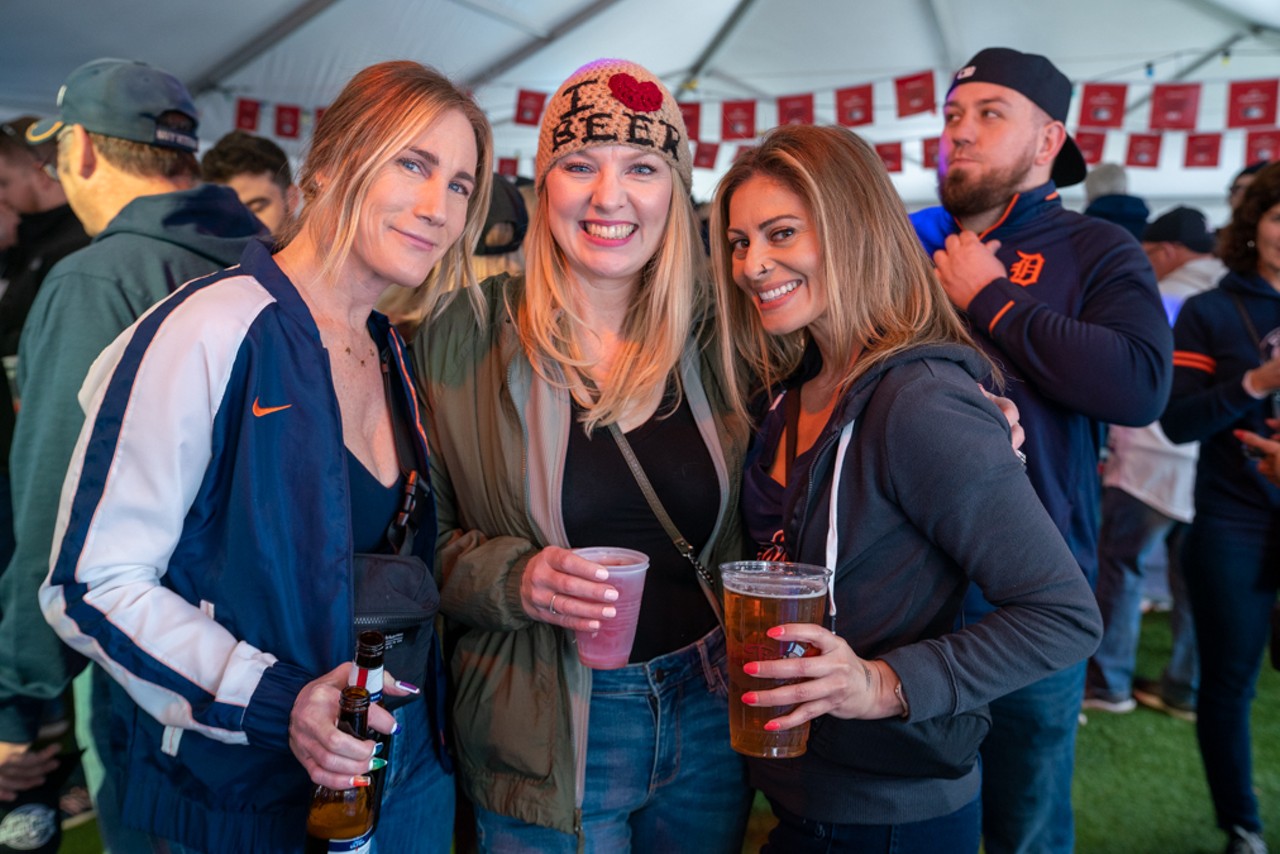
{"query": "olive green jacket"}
{"type": "Point", "coordinates": [499, 433]}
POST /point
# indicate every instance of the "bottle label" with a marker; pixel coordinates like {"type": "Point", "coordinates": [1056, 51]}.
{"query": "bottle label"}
{"type": "Point", "coordinates": [369, 679]}
{"type": "Point", "coordinates": [360, 845]}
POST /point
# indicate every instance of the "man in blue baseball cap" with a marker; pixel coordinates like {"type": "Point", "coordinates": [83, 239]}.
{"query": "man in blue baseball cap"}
{"type": "Point", "coordinates": [126, 142]}
{"type": "Point", "coordinates": [1067, 306]}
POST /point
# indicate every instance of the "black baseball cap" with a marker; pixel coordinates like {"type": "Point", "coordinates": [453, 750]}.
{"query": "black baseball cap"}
{"type": "Point", "coordinates": [124, 99]}
{"type": "Point", "coordinates": [1181, 225]}
{"type": "Point", "coordinates": [505, 205]}
{"type": "Point", "coordinates": [1042, 83]}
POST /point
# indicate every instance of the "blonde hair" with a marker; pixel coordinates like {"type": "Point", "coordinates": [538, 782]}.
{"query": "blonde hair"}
{"type": "Point", "coordinates": [880, 286]}
{"type": "Point", "coordinates": [668, 299]}
{"type": "Point", "coordinates": [377, 114]}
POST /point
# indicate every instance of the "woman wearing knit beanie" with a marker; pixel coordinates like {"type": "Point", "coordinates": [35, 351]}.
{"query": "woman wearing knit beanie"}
{"type": "Point", "coordinates": [529, 384]}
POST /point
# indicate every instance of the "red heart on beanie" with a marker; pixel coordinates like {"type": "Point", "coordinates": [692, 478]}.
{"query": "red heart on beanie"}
{"type": "Point", "coordinates": [643, 97]}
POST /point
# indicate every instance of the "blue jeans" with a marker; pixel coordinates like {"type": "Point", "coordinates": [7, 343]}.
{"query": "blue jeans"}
{"type": "Point", "coordinates": [956, 833]}
{"type": "Point", "coordinates": [417, 807]}
{"type": "Point", "coordinates": [1131, 531]}
{"type": "Point", "coordinates": [660, 773]}
{"type": "Point", "coordinates": [1027, 762]}
{"type": "Point", "coordinates": [1232, 568]}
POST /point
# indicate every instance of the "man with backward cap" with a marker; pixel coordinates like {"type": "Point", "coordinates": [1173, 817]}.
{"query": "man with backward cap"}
{"type": "Point", "coordinates": [1067, 305]}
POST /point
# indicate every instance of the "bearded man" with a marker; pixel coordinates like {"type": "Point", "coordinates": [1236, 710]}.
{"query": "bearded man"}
{"type": "Point", "coordinates": [1067, 306]}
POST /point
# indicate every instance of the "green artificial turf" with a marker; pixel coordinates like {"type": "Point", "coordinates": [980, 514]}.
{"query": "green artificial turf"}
{"type": "Point", "coordinates": [1139, 787]}
{"type": "Point", "coordinates": [1139, 784]}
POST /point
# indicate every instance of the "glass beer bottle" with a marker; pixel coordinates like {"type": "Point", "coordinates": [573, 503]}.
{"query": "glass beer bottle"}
{"type": "Point", "coordinates": [368, 674]}
{"type": "Point", "coordinates": [342, 820]}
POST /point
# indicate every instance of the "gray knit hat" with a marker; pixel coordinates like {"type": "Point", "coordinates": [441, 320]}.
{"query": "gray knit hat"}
{"type": "Point", "coordinates": [614, 102]}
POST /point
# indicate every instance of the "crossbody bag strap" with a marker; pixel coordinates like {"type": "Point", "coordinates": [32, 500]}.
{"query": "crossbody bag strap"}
{"type": "Point", "coordinates": [682, 545]}
{"type": "Point", "coordinates": [1248, 323]}
{"type": "Point", "coordinates": [406, 520]}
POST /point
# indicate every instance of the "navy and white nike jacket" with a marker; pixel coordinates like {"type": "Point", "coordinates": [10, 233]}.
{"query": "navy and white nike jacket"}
{"type": "Point", "coordinates": [1078, 328]}
{"type": "Point", "coordinates": [203, 548]}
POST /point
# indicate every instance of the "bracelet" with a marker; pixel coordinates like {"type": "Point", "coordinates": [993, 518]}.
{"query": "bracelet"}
{"type": "Point", "coordinates": [906, 709]}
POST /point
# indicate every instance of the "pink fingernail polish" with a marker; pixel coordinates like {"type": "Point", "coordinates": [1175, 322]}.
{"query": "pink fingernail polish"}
{"type": "Point", "coordinates": [776, 632]}
{"type": "Point", "coordinates": [408, 686]}
{"type": "Point", "coordinates": [751, 668]}
{"type": "Point", "coordinates": [771, 726]}
{"type": "Point", "coordinates": [749, 698]}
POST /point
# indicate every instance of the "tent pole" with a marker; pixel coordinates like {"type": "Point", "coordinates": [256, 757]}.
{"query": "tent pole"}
{"type": "Point", "coordinates": [1195, 65]}
{"type": "Point", "coordinates": [713, 47]}
{"type": "Point", "coordinates": [260, 44]}
{"type": "Point", "coordinates": [534, 45]}
{"type": "Point", "coordinates": [940, 14]}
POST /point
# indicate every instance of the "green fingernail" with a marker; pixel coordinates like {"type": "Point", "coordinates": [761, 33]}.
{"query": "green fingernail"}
{"type": "Point", "coordinates": [376, 764]}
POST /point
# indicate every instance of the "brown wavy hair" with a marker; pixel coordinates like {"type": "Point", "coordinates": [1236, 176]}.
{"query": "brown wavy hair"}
{"type": "Point", "coordinates": [1236, 242]}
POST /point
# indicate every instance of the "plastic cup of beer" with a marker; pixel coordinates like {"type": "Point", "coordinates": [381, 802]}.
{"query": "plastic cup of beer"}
{"type": "Point", "coordinates": [759, 595]}
{"type": "Point", "coordinates": [609, 647]}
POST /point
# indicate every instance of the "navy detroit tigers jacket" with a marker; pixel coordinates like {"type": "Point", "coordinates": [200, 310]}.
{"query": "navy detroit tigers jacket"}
{"type": "Point", "coordinates": [1078, 329]}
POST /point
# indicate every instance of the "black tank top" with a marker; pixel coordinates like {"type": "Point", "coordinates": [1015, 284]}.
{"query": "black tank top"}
{"type": "Point", "coordinates": [603, 506]}
{"type": "Point", "coordinates": [372, 506]}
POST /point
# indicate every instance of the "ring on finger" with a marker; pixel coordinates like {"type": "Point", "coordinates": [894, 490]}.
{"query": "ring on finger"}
{"type": "Point", "coordinates": [552, 606]}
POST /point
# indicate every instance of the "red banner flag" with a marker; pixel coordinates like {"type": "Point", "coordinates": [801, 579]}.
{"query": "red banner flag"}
{"type": "Point", "coordinates": [529, 107]}
{"type": "Point", "coordinates": [1102, 105]}
{"type": "Point", "coordinates": [855, 106]}
{"type": "Point", "coordinates": [1175, 106]}
{"type": "Point", "coordinates": [247, 111]}
{"type": "Point", "coordinates": [288, 118]}
{"type": "Point", "coordinates": [1203, 150]}
{"type": "Point", "coordinates": [915, 94]}
{"type": "Point", "coordinates": [704, 155]}
{"type": "Point", "coordinates": [1144, 150]}
{"type": "Point", "coordinates": [691, 112]}
{"type": "Point", "coordinates": [929, 152]}
{"type": "Point", "coordinates": [795, 109]}
{"type": "Point", "coordinates": [738, 120]}
{"type": "Point", "coordinates": [1091, 143]}
{"type": "Point", "coordinates": [1252, 103]}
{"type": "Point", "coordinates": [1261, 145]}
{"type": "Point", "coordinates": [509, 166]}
{"type": "Point", "coordinates": [891, 155]}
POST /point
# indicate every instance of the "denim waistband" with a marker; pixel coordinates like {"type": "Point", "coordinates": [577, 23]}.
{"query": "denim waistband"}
{"type": "Point", "coordinates": [702, 659]}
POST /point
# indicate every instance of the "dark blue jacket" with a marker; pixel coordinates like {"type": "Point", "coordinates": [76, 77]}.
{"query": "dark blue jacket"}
{"type": "Point", "coordinates": [204, 551]}
{"type": "Point", "coordinates": [1078, 329]}
{"type": "Point", "coordinates": [1214, 350]}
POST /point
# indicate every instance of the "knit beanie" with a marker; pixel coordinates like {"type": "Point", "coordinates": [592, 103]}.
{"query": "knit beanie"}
{"type": "Point", "coordinates": [614, 102]}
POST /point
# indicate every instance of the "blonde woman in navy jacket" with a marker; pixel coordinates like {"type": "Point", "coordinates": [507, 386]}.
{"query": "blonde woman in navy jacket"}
{"type": "Point", "coordinates": [204, 549]}
{"type": "Point", "coordinates": [903, 483]}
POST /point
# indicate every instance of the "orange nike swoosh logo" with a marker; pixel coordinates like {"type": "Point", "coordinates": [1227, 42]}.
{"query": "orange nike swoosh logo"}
{"type": "Point", "coordinates": [259, 410]}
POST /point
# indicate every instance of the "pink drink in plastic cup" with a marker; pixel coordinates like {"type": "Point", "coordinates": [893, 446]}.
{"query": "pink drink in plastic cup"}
{"type": "Point", "coordinates": [610, 647]}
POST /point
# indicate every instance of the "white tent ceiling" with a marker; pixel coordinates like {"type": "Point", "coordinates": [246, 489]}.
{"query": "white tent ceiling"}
{"type": "Point", "coordinates": [302, 51]}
